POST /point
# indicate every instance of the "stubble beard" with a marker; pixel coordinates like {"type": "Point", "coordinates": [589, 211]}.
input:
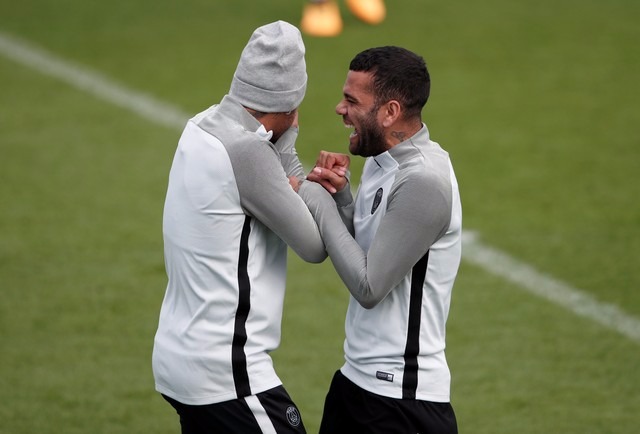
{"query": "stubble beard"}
{"type": "Point", "coordinates": [371, 140]}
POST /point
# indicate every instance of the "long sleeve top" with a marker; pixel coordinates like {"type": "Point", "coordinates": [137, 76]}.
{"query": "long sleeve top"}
{"type": "Point", "coordinates": [399, 265]}
{"type": "Point", "coordinates": [229, 215]}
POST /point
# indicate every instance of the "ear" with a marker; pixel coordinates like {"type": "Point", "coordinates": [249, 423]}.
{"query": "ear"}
{"type": "Point", "coordinates": [392, 112]}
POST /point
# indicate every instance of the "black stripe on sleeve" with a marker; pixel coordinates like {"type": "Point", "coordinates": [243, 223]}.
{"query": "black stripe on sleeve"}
{"type": "Point", "coordinates": [410, 377]}
{"type": "Point", "coordinates": [238, 357]}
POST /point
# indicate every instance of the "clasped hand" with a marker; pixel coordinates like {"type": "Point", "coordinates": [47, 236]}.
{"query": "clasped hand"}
{"type": "Point", "coordinates": [330, 171]}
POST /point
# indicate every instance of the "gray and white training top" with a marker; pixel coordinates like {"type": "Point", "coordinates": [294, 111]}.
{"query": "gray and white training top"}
{"type": "Point", "coordinates": [399, 268]}
{"type": "Point", "coordinates": [229, 215]}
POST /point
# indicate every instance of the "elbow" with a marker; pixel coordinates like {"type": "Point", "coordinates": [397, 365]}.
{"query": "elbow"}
{"type": "Point", "coordinates": [312, 251]}
{"type": "Point", "coordinates": [368, 303]}
{"type": "Point", "coordinates": [367, 298]}
{"type": "Point", "coordinates": [313, 257]}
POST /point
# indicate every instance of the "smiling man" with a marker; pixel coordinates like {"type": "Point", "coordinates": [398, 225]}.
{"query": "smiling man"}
{"type": "Point", "coordinates": [398, 252]}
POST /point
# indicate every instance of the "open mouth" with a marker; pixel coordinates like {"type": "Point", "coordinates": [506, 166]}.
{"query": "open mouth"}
{"type": "Point", "coordinates": [354, 133]}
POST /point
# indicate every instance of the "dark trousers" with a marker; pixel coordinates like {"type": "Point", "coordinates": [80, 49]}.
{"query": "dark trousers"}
{"type": "Point", "coordinates": [351, 409]}
{"type": "Point", "coordinates": [253, 414]}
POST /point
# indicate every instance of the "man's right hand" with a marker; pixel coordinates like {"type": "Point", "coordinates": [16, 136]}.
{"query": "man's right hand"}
{"type": "Point", "coordinates": [330, 171]}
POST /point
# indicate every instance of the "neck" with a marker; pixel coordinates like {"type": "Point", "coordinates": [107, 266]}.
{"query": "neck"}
{"type": "Point", "coordinates": [399, 132]}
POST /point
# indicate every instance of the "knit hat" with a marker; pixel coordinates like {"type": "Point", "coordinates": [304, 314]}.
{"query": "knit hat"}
{"type": "Point", "coordinates": [271, 75]}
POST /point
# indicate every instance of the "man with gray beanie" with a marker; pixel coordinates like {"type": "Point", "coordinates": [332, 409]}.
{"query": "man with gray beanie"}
{"type": "Point", "coordinates": [229, 215]}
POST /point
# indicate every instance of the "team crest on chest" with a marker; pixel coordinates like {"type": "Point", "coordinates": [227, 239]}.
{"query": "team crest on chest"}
{"type": "Point", "coordinates": [377, 200]}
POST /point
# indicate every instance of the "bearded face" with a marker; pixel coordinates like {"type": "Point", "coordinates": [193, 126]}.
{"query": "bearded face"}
{"type": "Point", "coordinates": [367, 138]}
{"type": "Point", "coordinates": [360, 113]}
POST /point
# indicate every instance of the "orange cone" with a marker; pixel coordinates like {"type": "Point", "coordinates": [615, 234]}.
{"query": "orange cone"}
{"type": "Point", "coordinates": [321, 19]}
{"type": "Point", "coordinates": [369, 11]}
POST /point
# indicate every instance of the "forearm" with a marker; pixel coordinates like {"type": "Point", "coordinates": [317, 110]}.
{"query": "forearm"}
{"type": "Point", "coordinates": [344, 202]}
{"type": "Point", "coordinates": [348, 258]}
{"type": "Point", "coordinates": [288, 154]}
{"type": "Point", "coordinates": [415, 218]}
{"type": "Point", "coordinates": [266, 194]}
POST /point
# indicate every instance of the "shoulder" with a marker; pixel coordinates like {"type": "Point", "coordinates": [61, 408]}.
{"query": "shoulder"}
{"type": "Point", "coordinates": [423, 176]}
{"type": "Point", "coordinates": [424, 182]}
{"type": "Point", "coordinates": [239, 142]}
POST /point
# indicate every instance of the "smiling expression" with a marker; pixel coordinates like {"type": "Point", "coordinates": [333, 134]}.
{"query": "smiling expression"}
{"type": "Point", "coordinates": [359, 112]}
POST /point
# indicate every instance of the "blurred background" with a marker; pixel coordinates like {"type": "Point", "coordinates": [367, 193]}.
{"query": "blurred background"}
{"type": "Point", "coordinates": [536, 102]}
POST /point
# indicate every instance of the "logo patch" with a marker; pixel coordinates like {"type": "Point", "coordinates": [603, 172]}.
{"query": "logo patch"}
{"type": "Point", "coordinates": [293, 417]}
{"type": "Point", "coordinates": [377, 200]}
{"type": "Point", "coordinates": [384, 376]}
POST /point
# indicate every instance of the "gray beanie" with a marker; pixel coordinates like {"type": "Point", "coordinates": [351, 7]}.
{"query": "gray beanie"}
{"type": "Point", "coordinates": [271, 76]}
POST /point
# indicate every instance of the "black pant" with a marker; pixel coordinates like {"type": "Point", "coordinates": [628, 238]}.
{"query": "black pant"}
{"type": "Point", "coordinates": [351, 409]}
{"type": "Point", "coordinates": [242, 416]}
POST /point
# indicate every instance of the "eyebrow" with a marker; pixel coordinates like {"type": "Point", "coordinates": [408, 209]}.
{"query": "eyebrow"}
{"type": "Point", "coordinates": [347, 95]}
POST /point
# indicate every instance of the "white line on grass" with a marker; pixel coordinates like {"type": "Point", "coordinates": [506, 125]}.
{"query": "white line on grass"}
{"type": "Point", "coordinates": [91, 82]}
{"type": "Point", "coordinates": [548, 287]}
{"type": "Point", "coordinates": [486, 257]}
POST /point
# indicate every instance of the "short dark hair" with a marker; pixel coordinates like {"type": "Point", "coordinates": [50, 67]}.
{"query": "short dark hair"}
{"type": "Point", "coordinates": [398, 74]}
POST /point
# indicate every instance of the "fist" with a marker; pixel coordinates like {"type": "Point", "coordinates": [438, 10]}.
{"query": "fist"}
{"type": "Point", "coordinates": [330, 171]}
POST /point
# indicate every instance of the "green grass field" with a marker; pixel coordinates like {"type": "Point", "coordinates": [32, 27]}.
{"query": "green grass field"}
{"type": "Point", "coordinates": [537, 103]}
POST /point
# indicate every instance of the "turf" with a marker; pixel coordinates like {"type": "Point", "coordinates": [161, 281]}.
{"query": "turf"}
{"type": "Point", "coordinates": [535, 101]}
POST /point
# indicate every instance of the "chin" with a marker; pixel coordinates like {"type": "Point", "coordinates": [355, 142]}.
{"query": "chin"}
{"type": "Point", "coordinates": [354, 148]}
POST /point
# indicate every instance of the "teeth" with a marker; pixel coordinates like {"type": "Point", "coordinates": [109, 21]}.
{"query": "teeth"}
{"type": "Point", "coordinates": [354, 133]}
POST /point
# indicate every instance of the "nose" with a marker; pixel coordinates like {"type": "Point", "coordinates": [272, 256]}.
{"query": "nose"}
{"type": "Point", "coordinates": [340, 108]}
